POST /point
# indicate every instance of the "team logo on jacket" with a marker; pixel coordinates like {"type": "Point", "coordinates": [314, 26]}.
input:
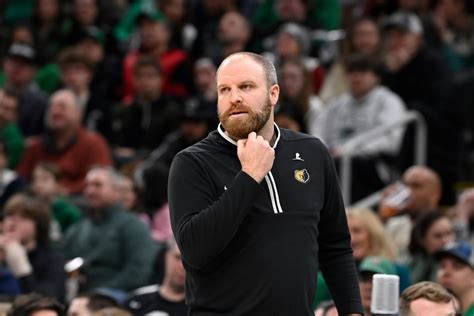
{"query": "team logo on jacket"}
{"type": "Point", "coordinates": [302, 175]}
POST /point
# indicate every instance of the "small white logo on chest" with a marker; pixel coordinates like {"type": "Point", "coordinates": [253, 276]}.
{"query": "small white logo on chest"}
{"type": "Point", "coordinates": [298, 157]}
{"type": "Point", "coordinates": [225, 188]}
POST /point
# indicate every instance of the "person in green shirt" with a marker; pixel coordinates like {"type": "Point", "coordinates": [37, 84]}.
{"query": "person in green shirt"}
{"type": "Point", "coordinates": [9, 130]}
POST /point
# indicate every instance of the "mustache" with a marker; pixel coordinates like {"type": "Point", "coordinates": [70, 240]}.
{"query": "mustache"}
{"type": "Point", "coordinates": [237, 107]}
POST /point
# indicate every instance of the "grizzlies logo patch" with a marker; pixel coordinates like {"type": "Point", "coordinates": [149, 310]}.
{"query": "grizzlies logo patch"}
{"type": "Point", "coordinates": [302, 175]}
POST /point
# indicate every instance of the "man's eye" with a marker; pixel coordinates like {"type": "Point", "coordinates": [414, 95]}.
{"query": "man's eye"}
{"type": "Point", "coordinates": [223, 90]}
{"type": "Point", "coordinates": [245, 87]}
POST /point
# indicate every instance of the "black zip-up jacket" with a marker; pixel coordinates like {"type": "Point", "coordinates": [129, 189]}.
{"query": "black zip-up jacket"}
{"type": "Point", "coordinates": [253, 249]}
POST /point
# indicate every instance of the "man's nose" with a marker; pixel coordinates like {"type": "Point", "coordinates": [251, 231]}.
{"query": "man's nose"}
{"type": "Point", "coordinates": [235, 96]}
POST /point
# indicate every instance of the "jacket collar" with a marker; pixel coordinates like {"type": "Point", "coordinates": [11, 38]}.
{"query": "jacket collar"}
{"type": "Point", "coordinates": [221, 131]}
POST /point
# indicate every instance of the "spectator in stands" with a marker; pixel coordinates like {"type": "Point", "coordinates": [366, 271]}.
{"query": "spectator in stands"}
{"type": "Point", "coordinates": [233, 35]}
{"type": "Point", "coordinates": [422, 78]}
{"type": "Point", "coordinates": [20, 69]}
{"type": "Point", "coordinates": [368, 236]}
{"type": "Point", "coordinates": [296, 94]}
{"type": "Point", "coordinates": [107, 76]}
{"type": "Point", "coordinates": [85, 14]}
{"type": "Point", "coordinates": [454, 22]}
{"type": "Point", "coordinates": [10, 181]}
{"type": "Point", "coordinates": [154, 43]}
{"type": "Point", "coordinates": [183, 33]}
{"type": "Point", "coordinates": [463, 216]}
{"type": "Point", "coordinates": [9, 131]}
{"type": "Point", "coordinates": [168, 297]}
{"type": "Point", "coordinates": [425, 193]}
{"type": "Point", "coordinates": [45, 184]}
{"type": "Point", "coordinates": [293, 41]}
{"type": "Point", "coordinates": [115, 245]}
{"type": "Point", "coordinates": [456, 273]}
{"type": "Point", "coordinates": [198, 120]}
{"type": "Point", "coordinates": [49, 26]}
{"type": "Point", "coordinates": [142, 125]}
{"type": "Point", "coordinates": [368, 267]}
{"type": "Point", "coordinates": [426, 297]}
{"type": "Point", "coordinates": [77, 72]}
{"type": "Point", "coordinates": [67, 144]}
{"type": "Point", "coordinates": [35, 305]}
{"type": "Point", "coordinates": [88, 303]}
{"type": "Point", "coordinates": [206, 86]}
{"type": "Point", "coordinates": [363, 38]}
{"type": "Point", "coordinates": [431, 232]}
{"type": "Point", "coordinates": [273, 13]}
{"type": "Point", "coordinates": [25, 243]}
{"type": "Point", "coordinates": [368, 105]}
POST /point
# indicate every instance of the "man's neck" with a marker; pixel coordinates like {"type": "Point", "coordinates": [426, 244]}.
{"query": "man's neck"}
{"type": "Point", "coordinates": [143, 99]}
{"type": "Point", "coordinates": [467, 300]}
{"type": "Point", "coordinates": [63, 138]}
{"type": "Point", "coordinates": [168, 293]}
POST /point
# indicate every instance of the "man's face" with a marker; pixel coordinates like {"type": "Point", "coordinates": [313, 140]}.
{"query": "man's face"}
{"type": "Point", "coordinates": [63, 113]}
{"type": "Point", "coordinates": [456, 276]}
{"type": "Point", "coordinates": [398, 40]}
{"type": "Point", "coordinates": [76, 76]}
{"type": "Point", "coordinates": [424, 307]}
{"type": "Point", "coordinates": [231, 27]}
{"type": "Point", "coordinates": [287, 46]}
{"type": "Point", "coordinates": [19, 73]}
{"type": "Point", "coordinates": [22, 229]}
{"type": "Point", "coordinates": [147, 82]}
{"type": "Point", "coordinates": [44, 183]}
{"type": "Point", "coordinates": [8, 109]}
{"type": "Point", "coordinates": [366, 38]}
{"type": "Point", "coordinates": [99, 191]}
{"type": "Point", "coordinates": [292, 80]}
{"type": "Point", "coordinates": [44, 313]}
{"type": "Point", "coordinates": [78, 307]}
{"type": "Point", "coordinates": [362, 81]}
{"type": "Point", "coordinates": [244, 100]}
{"type": "Point", "coordinates": [175, 270]}
{"type": "Point", "coordinates": [153, 33]}
{"type": "Point", "coordinates": [205, 77]}
{"type": "Point", "coordinates": [423, 192]}
{"type": "Point", "coordinates": [291, 10]}
{"type": "Point", "coordinates": [92, 49]}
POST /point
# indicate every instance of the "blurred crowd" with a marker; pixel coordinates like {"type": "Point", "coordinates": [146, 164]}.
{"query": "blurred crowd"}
{"type": "Point", "coordinates": [97, 97]}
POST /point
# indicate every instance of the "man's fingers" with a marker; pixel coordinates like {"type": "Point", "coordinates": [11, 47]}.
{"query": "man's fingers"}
{"type": "Point", "coordinates": [252, 136]}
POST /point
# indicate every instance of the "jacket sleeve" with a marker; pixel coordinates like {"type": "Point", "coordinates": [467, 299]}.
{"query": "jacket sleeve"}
{"type": "Point", "coordinates": [203, 223]}
{"type": "Point", "coordinates": [335, 252]}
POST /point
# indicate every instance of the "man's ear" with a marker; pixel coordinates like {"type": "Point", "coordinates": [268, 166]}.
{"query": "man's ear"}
{"type": "Point", "coordinates": [274, 93]}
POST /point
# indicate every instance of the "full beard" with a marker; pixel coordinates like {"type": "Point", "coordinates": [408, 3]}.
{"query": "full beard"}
{"type": "Point", "coordinates": [240, 128]}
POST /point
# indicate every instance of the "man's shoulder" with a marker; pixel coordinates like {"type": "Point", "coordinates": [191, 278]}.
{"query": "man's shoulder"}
{"type": "Point", "coordinates": [290, 136]}
{"type": "Point", "coordinates": [208, 145]}
{"type": "Point", "coordinates": [87, 136]}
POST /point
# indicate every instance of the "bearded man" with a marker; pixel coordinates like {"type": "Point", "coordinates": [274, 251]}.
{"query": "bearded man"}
{"type": "Point", "coordinates": [255, 208]}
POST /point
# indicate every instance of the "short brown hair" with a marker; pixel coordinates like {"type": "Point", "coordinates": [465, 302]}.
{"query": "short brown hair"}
{"type": "Point", "coordinates": [73, 56]}
{"type": "Point", "coordinates": [28, 206]}
{"type": "Point", "coordinates": [145, 62]}
{"type": "Point", "coordinates": [26, 305]}
{"type": "Point", "coordinates": [428, 290]}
